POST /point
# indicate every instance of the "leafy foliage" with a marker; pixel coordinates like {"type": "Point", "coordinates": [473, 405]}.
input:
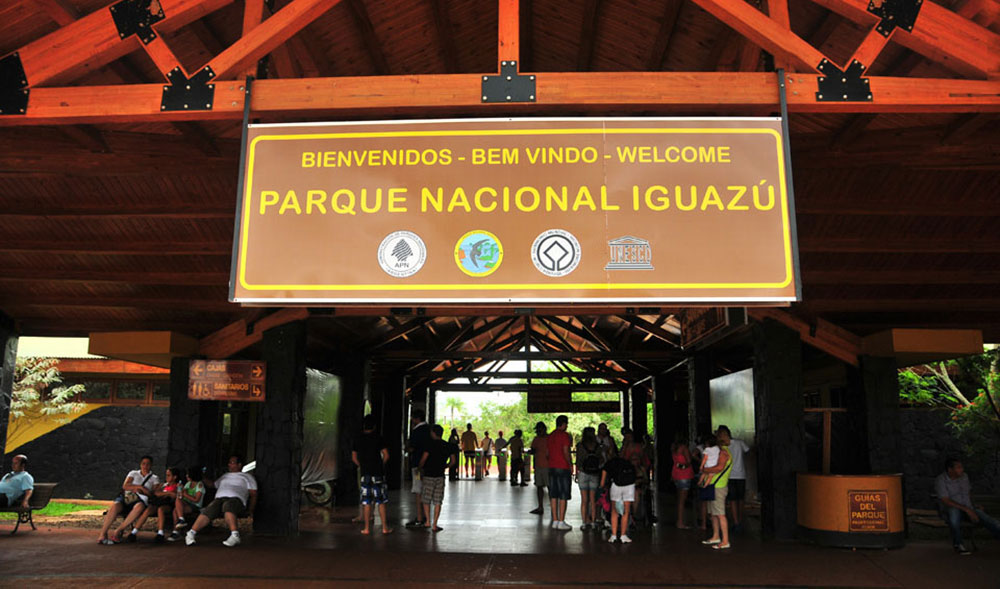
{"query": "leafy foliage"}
{"type": "Point", "coordinates": [36, 393]}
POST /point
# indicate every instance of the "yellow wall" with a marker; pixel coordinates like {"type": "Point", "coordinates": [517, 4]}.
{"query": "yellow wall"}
{"type": "Point", "coordinates": [22, 430]}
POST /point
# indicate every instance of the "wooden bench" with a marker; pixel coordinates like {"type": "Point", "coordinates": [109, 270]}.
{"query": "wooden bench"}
{"type": "Point", "coordinates": [40, 497]}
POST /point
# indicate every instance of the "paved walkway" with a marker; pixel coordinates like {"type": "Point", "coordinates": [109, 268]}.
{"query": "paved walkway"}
{"type": "Point", "coordinates": [489, 541]}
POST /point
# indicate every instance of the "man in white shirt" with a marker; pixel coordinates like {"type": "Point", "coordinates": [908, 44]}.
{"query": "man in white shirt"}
{"type": "Point", "coordinates": [955, 494]}
{"type": "Point", "coordinates": [737, 476]}
{"type": "Point", "coordinates": [236, 495]}
{"type": "Point", "coordinates": [16, 486]}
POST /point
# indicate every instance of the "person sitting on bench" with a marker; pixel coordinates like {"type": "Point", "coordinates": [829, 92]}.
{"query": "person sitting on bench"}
{"type": "Point", "coordinates": [236, 495]}
{"type": "Point", "coordinates": [953, 491]}
{"type": "Point", "coordinates": [17, 485]}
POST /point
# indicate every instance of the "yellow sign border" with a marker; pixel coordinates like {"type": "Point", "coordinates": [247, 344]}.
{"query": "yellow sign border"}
{"type": "Point", "coordinates": [245, 226]}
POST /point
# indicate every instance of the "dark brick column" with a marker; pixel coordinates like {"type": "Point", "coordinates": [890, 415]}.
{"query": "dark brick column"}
{"type": "Point", "coordinates": [778, 405]}
{"type": "Point", "coordinates": [699, 404]}
{"type": "Point", "coordinates": [8, 357]}
{"type": "Point", "coordinates": [664, 426]}
{"type": "Point", "coordinates": [353, 371]}
{"type": "Point", "coordinates": [279, 431]}
{"type": "Point", "coordinates": [881, 402]}
{"type": "Point", "coordinates": [183, 441]}
{"type": "Point", "coordinates": [393, 431]}
{"type": "Point", "coordinates": [640, 422]}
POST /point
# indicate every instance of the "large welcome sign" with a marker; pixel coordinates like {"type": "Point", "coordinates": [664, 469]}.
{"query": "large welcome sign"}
{"type": "Point", "coordinates": [528, 211]}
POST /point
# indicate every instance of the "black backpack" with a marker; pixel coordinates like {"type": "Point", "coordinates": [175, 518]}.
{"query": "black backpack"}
{"type": "Point", "coordinates": [592, 462]}
{"type": "Point", "coordinates": [624, 475]}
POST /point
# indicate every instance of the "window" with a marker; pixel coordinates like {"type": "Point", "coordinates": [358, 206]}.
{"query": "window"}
{"type": "Point", "coordinates": [161, 391]}
{"type": "Point", "coordinates": [95, 391]}
{"type": "Point", "coordinates": [131, 390]}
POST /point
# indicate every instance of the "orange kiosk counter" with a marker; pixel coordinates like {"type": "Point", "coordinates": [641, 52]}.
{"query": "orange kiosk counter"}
{"type": "Point", "coordinates": [853, 511]}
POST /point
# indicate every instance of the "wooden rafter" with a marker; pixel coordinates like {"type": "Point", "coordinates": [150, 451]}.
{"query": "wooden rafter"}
{"type": "Point", "coordinates": [765, 32]}
{"type": "Point", "coordinates": [240, 335]}
{"type": "Point", "coordinates": [585, 54]}
{"type": "Point", "coordinates": [367, 30]}
{"type": "Point", "coordinates": [446, 36]}
{"type": "Point", "coordinates": [665, 34]}
{"type": "Point", "coordinates": [93, 41]}
{"type": "Point", "coordinates": [939, 34]}
{"type": "Point", "coordinates": [821, 334]}
{"type": "Point", "coordinates": [508, 31]}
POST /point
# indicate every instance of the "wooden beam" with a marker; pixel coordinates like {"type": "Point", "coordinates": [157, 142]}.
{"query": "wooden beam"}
{"type": "Point", "coordinates": [11, 304]}
{"type": "Point", "coordinates": [526, 37]}
{"type": "Point", "coordinates": [821, 334]}
{"type": "Point", "coordinates": [900, 277]}
{"type": "Point", "coordinates": [939, 34]}
{"type": "Point", "coordinates": [668, 26]}
{"type": "Point", "coordinates": [767, 33]}
{"type": "Point", "coordinates": [459, 93]}
{"type": "Point", "coordinates": [901, 304]}
{"type": "Point", "coordinates": [240, 335]}
{"type": "Point", "coordinates": [26, 277]}
{"type": "Point", "coordinates": [163, 57]}
{"type": "Point", "coordinates": [253, 15]}
{"type": "Point", "coordinates": [965, 125]}
{"type": "Point", "coordinates": [869, 50]}
{"type": "Point", "coordinates": [508, 29]}
{"type": "Point", "coordinates": [652, 329]}
{"type": "Point", "coordinates": [849, 132]}
{"type": "Point", "coordinates": [93, 41]}
{"type": "Point", "coordinates": [367, 31]}
{"type": "Point", "coordinates": [86, 136]}
{"type": "Point", "coordinates": [585, 54]}
{"type": "Point", "coordinates": [887, 245]}
{"type": "Point", "coordinates": [61, 11]}
{"type": "Point", "coordinates": [446, 36]}
{"type": "Point", "coordinates": [114, 245]}
{"type": "Point", "coordinates": [267, 36]}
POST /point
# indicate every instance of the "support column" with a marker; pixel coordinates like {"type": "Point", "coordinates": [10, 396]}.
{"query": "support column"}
{"type": "Point", "coordinates": [353, 371]}
{"type": "Point", "coordinates": [664, 428]}
{"type": "Point", "coordinates": [393, 429]}
{"type": "Point", "coordinates": [8, 358]}
{"type": "Point", "coordinates": [699, 402]}
{"type": "Point", "coordinates": [183, 440]}
{"type": "Point", "coordinates": [639, 399]}
{"type": "Point", "coordinates": [279, 431]}
{"type": "Point", "coordinates": [881, 401]}
{"type": "Point", "coordinates": [626, 408]}
{"type": "Point", "coordinates": [777, 377]}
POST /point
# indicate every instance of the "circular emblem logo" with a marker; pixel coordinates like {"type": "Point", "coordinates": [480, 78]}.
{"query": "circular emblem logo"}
{"type": "Point", "coordinates": [555, 253]}
{"type": "Point", "coordinates": [478, 253]}
{"type": "Point", "coordinates": [402, 254]}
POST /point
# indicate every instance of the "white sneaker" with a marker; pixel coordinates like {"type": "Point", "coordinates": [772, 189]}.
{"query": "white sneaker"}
{"type": "Point", "coordinates": [189, 538]}
{"type": "Point", "coordinates": [565, 526]}
{"type": "Point", "coordinates": [612, 539]}
{"type": "Point", "coordinates": [232, 540]}
{"type": "Point", "coordinates": [626, 539]}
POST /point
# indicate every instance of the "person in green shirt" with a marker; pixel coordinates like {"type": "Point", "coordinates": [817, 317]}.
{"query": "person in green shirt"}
{"type": "Point", "coordinates": [719, 476]}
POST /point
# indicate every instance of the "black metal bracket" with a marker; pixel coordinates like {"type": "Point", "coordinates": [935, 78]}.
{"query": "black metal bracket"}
{"type": "Point", "coordinates": [895, 13]}
{"type": "Point", "coordinates": [13, 86]}
{"type": "Point", "coordinates": [509, 86]}
{"type": "Point", "coordinates": [836, 85]}
{"type": "Point", "coordinates": [136, 17]}
{"type": "Point", "coordinates": [194, 93]}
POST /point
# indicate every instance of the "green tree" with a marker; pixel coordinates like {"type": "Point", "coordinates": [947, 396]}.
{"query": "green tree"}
{"type": "Point", "coordinates": [454, 405]}
{"type": "Point", "coordinates": [36, 394]}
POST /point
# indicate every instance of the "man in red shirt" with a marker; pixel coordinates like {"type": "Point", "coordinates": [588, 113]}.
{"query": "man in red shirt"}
{"type": "Point", "coordinates": [560, 472]}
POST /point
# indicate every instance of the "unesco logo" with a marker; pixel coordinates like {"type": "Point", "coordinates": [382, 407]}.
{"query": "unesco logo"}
{"type": "Point", "coordinates": [555, 253]}
{"type": "Point", "coordinates": [402, 254]}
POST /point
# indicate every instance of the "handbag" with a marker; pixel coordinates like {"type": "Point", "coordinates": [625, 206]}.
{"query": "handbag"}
{"type": "Point", "coordinates": [707, 493]}
{"type": "Point", "coordinates": [131, 497]}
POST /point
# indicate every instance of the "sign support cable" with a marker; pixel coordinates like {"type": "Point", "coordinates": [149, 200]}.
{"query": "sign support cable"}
{"type": "Point", "coordinates": [789, 185]}
{"type": "Point", "coordinates": [241, 186]}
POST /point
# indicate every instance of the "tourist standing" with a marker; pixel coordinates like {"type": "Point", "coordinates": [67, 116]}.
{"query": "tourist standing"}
{"type": "Point", "coordinates": [633, 451]}
{"type": "Point", "coordinates": [540, 455]}
{"type": "Point", "coordinates": [621, 475]}
{"type": "Point", "coordinates": [718, 477]}
{"type": "Point", "coordinates": [454, 440]}
{"type": "Point", "coordinates": [370, 454]}
{"type": "Point", "coordinates": [437, 458]}
{"type": "Point", "coordinates": [608, 447]}
{"type": "Point", "coordinates": [682, 474]}
{"type": "Point", "coordinates": [516, 449]}
{"type": "Point", "coordinates": [487, 447]}
{"type": "Point", "coordinates": [420, 438]}
{"type": "Point", "coordinates": [588, 476]}
{"type": "Point", "coordinates": [738, 449]}
{"type": "Point", "coordinates": [560, 472]}
{"type": "Point", "coordinates": [469, 444]}
{"type": "Point", "coordinates": [500, 449]}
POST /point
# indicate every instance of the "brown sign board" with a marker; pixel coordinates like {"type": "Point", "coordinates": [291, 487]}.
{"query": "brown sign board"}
{"type": "Point", "coordinates": [555, 399]}
{"type": "Point", "coordinates": [701, 324]}
{"type": "Point", "coordinates": [525, 211]}
{"type": "Point", "coordinates": [868, 511]}
{"type": "Point", "coordinates": [226, 380]}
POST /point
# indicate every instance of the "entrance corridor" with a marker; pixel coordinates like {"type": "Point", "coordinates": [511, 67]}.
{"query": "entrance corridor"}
{"type": "Point", "coordinates": [489, 540]}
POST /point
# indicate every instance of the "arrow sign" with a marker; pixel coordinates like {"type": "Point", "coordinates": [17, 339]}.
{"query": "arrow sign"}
{"type": "Point", "coordinates": [256, 390]}
{"type": "Point", "coordinates": [197, 369]}
{"type": "Point", "coordinates": [227, 380]}
{"type": "Point", "coordinates": [257, 371]}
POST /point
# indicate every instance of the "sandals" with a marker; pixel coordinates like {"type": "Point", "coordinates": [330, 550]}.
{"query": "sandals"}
{"type": "Point", "coordinates": [711, 542]}
{"type": "Point", "coordinates": [722, 547]}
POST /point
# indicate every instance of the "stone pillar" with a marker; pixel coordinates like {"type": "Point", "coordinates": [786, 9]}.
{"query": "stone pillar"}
{"type": "Point", "coordinates": [639, 400]}
{"type": "Point", "coordinates": [393, 429]}
{"type": "Point", "coordinates": [699, 403]}
{"type": "Point", "coordinates": [777, 377]}
{"type": "Point", "coordinates": [663, 428]}
{"type": "Point", "coordinates": [353, 371]}
{"type": "Point", "coordinates": [183, 440]}
{"type": "Point", "coordinates": [279, 431]}
{"type": "Point", "coordinates": [626, 409]}
{"type": "Point", "coordinates": [881, 403]}
{"type": "Point", "coordinates": [8, 358]}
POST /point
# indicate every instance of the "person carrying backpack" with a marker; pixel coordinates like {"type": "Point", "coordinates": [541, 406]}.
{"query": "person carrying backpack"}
{"type": "Point", "coordinates": [588, 476]}
{"type": "Point", "coordinates": [622, 476]}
